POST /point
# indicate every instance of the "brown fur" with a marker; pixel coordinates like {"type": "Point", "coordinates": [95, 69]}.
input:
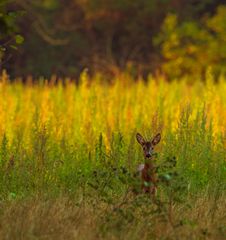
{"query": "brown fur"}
{"type": "Point", "coordinates": [148, 172]}
{"type": "Point", "coordinates": [149, 179]}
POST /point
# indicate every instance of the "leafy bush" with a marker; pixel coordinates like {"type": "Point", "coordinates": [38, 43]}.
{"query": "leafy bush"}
{"type": "Point", "coordinates": [191, 47]}
{"type": "Point", "coordinates": [9, 33]}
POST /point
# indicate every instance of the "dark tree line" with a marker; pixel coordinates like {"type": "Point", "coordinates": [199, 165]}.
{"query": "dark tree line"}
{"type": "Point", "coordinates": [66, 36]}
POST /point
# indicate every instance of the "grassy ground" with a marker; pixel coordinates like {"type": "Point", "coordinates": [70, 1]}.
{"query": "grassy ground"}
{"type": "Point", "coordinates": [68, 154]}
{"type": "Point", "coordinates": [62, 218]}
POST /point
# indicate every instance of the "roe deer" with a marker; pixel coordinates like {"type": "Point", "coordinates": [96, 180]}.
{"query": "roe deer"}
{"type": "Point", "coordinates": [147, 170]}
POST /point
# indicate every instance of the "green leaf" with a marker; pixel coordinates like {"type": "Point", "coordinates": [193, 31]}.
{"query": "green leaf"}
{"type": "Point", "coordinates": [147, 184]}
{"type": "Point", "coordinates": [12, 195]}
{"type": "Point", "coordinates": [19, 39]}
{"type": "Point", "coordinates": [167, 177]}
{"type": "Point", "coordinates": [13, 47]}
{"type": "Point", "coordinates": [2, 49]}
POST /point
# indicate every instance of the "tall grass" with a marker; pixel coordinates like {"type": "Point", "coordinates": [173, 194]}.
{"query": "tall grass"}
{"type": "Point", "coordinates": [78, 141]}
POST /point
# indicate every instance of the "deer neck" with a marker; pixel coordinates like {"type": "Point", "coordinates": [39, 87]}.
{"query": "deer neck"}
{"type": "Point", "coordinates": [149, 164]}
{"type": "Point", "coordinates": [149, 172]}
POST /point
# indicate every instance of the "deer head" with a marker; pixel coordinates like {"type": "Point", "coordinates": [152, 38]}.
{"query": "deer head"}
{"type": "Point", "coordinates": [148, 146]}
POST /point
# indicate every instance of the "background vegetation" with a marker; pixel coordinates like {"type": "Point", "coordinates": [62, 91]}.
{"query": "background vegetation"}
{"type": "Point", "coordinates": [175, 37]}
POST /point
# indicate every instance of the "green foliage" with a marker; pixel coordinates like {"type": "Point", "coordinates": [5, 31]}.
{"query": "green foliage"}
{"type": "Point", "coordinates": [55, 166]}
{"type": "Point", "coordinates": [9, 37]}
{"type": "Point", "coordinates": [190, 47]}
{"type": "Point", "coordinates": [19, 39]}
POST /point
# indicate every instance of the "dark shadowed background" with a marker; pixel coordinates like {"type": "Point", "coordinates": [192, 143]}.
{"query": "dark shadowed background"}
{"type": "Point", "coordinates": [173, 37]}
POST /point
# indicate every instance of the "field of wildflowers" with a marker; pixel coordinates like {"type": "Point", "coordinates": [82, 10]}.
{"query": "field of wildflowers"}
{"type": "Point", "coordinates": [68, 153]}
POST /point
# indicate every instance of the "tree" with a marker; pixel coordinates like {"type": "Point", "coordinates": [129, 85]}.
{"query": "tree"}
{"type": "Point", "coordinates": [190, 47]}
{"type": "Point", "coordinates": [9, 33]}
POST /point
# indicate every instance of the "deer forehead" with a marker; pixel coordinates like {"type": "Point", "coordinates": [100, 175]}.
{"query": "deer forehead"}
{"type": "Point", "coordinates": [148, 145]}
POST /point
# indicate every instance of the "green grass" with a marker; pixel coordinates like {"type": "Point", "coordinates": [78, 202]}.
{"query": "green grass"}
{"type": "Point", "coordinates": [67, 172]}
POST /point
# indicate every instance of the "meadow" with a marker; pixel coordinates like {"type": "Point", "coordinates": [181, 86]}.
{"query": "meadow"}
{"type": "Point", "coordinates": [68, 153]}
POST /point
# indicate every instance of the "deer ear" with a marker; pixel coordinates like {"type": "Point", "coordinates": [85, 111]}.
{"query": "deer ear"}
{"type": "Point", "coordinates": [156, 139]}
{"type": "Point", "coordinates": [140, 139]}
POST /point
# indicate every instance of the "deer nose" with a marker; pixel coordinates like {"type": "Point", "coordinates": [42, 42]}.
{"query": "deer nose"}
{"type": "Point", "coordinates": [148, 155]}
